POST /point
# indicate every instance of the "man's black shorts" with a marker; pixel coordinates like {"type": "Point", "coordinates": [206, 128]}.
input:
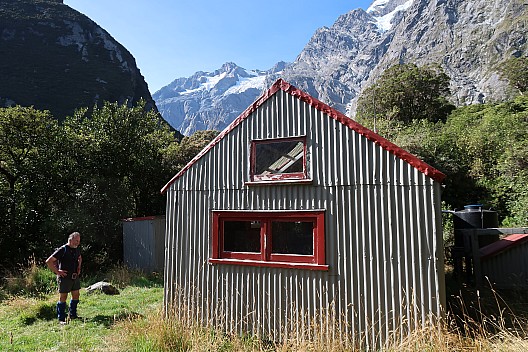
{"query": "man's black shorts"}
{"type": "Point", "coordinates": [67, 285]}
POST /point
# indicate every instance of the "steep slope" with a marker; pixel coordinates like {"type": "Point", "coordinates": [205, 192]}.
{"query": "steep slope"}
{"type": "Point", "coordinates": [468, 38]}
{"type": "Point", "coordinates": [336, 60]}
{"type": "Point", "coordinates": [55, 58]}
{"type": "Point", "coordinates": [211, 100]}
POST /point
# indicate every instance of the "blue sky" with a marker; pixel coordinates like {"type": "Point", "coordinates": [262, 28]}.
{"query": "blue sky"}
{"type": "Point", "coordinates": [172, 39]}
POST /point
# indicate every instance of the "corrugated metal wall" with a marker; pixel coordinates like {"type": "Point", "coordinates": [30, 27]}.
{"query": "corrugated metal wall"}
{"type": "Point", "coordinates": [383, 236]}
{"type": "Point", "coordinates": [144, 243]}
{"type": "Point", "coordinates": [508, 269]}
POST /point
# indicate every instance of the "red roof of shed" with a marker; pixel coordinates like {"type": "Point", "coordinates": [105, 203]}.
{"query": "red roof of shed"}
{"type": "Point", "coordinates": [336, 115]}
{"type": "Point", "coordinates": [503, 244]}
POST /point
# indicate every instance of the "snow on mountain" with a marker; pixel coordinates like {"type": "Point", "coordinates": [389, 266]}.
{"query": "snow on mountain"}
{"type": "Point", "coordinates": [383, 19]}
{"type": "Point", "coordinates": [245, 84]}
{"type": "Point", "coordinates": [211, 100]}
{"type": "Point", "coordinates": [209, 84]}
{"type": "Point", "coordinates": [468, 38]}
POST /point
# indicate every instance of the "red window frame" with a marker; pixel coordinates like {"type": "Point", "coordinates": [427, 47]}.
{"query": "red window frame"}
{"type": "Point", "coordinates": [315, 261]}
{"type": "Point", "coordinates": [276, 177]}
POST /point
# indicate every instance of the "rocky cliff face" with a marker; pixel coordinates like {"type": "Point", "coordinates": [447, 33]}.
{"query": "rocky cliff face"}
{"type": "Point", "coordinates": [337, 60]}
{"type": "Point", "coordinates": [55, 58]}
{"type": "Point", "coordinates": [468, 38]}
{"type": "Point", "coordinates": [211, 100]}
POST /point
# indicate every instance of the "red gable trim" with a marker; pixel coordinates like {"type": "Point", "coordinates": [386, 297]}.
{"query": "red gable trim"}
{"type": "Point", "coordinates": [336, 115]}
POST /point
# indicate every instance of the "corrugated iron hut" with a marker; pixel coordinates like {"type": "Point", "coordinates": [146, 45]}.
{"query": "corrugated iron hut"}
{"type": "Point", "coordinates": [504, 264]}
{"type": "Point", "coordinates": [143, 243]}
{"type": "Point", "coordinates": [296, 220]}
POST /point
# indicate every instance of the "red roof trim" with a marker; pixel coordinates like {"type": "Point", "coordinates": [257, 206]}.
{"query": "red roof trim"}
{"type": "Point", "coordinates": [336, 115]}
{"type": "Point", "coordinates": [502, 245]}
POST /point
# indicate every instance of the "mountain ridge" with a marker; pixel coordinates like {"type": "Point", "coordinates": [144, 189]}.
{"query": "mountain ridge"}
{"type": "Point", "coordinates": [211, 100]}
{"type": "Point", "coordinates": [469, 39]}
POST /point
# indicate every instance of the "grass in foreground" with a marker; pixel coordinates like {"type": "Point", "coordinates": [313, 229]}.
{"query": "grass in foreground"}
{"type": "Point", "coordinates": [28, 321]}
{"type": "Point", "coordinates": [133, 321]}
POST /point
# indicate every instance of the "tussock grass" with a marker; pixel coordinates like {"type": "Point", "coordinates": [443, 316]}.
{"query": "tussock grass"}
{"type": "Point", "coordinates": [156, 334]}
{"type": "Point", "coordinates": [122, 276]}
{"type": "Point", "coordinates": [503, 332]}
{"type": "Point", "coordinates": [31, 279]}
{"type": "Point", "coordinates": [134, 321]}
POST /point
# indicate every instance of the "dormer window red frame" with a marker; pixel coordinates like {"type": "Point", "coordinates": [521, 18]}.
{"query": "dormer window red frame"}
{"type": "Point", "coordinates": [293, 239]}
{"type": "Point", "coordinates": [275, 160]}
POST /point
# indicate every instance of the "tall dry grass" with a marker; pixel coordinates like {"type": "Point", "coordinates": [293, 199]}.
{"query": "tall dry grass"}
{"type": "Point", "coordinates": [32, 279]}
{"type": "Point", "coordinates": [480, 320]}
{"type": "Point", "coordinates": [472, 331]}
{"type": "Point", "coordinates": [157, 333]}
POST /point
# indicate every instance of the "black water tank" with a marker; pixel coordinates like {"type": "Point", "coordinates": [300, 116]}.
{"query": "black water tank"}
{"type": "Point", "coordinates": [475, 217]}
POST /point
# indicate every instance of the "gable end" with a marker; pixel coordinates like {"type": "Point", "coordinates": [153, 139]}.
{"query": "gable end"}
{"type": "Point", "coordinates": [334, 114]}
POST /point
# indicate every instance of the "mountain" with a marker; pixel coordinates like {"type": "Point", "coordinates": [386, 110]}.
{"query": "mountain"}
{"type": "Point", "coordinates": [211, 100]}
{"type": "Point", "coordinates": [55, 58]}
{"type": "Point", "coordinates": [468, 38]}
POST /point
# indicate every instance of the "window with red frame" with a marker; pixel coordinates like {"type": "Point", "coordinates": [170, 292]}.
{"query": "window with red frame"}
{"type": "Point", "coordinates": [278, 159]}
{"type": "Point", "coordinates": [280, 239]}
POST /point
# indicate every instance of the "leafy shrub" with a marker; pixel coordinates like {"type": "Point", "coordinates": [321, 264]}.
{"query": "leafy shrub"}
{"type": "Point", "coordinates": [33, 279]}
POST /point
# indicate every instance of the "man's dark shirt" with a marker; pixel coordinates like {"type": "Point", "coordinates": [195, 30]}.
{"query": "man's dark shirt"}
{"type": "Point", "coordinates": [68, 258]}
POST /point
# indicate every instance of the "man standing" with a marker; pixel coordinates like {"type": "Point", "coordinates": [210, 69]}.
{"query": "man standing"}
{"type": "Point", "coordinates": [65, 262]}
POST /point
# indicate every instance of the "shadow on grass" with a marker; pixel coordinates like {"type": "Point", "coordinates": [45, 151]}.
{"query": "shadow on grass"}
{"type": "Point", "coordinates": [47, 311]}
{"type": "Point", "coordinates": [148, 282]}
{"type": "Point", "coordinates": [109, 320]}
{"type": "Point", "coordinates": [43, 311]}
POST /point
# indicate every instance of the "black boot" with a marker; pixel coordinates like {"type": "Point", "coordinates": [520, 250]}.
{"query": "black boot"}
{"type": "Point", "coordinates": [61, 312]}
{"type": "Point", "coordinates": [73, 309]}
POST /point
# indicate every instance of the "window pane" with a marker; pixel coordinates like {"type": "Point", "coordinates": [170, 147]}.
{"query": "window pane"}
{"type": "Point", "coordinates": [242, 236]}
{"type": "Point", "coordinates": [279, 157]}
{"type": "Point", "coordinates": [292, 237]}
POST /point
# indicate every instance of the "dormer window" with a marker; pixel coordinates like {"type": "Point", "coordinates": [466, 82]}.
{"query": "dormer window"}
{"type": "Point", "coordinates": [278, 160]}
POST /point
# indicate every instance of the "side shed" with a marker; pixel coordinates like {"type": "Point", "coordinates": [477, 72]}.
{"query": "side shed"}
{"type": "Point", "coordinates": [144, 243]}
{"type": "Point", "coordinates": [296, 221]}
{"type": "Point", "coordinates": [504, 264]}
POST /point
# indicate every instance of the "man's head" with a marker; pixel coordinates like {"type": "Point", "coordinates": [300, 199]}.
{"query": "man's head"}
{"type": "Point", "coordinates": [74, 239]}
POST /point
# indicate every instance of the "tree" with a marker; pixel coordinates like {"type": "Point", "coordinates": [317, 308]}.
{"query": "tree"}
{"type": "Point", "coordinates": [29, 171]}
{"type": "Point", "coordinates": [120, 158]}
{"type": "Point", "coordinates": [515, 70]}
{"type": "Point", "coordinates": [84, 175]}
{"type": "Point", "coordinates": [190, 146]}
{"type": "Point", "coordinates": [406, 93]}
{"type": "Point", "coordinates": [483, 150]}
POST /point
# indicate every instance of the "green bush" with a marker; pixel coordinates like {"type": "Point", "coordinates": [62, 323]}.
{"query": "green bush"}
{"type": "Point", "coordinates": [40, 280]}
{"type": "Point", "coordinates": [32, 280]}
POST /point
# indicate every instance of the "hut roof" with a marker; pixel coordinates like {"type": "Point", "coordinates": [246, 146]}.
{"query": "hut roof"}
{"type": "Point", "coordinates": [503, 245]}
{"type": "Point", "coordinates": [332, 113]}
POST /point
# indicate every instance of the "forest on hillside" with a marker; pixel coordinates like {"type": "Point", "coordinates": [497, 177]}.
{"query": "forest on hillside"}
{"type": "Point", "coordinates": [102, 165]}
{"type": "Point", "coordinates": [482, 148]}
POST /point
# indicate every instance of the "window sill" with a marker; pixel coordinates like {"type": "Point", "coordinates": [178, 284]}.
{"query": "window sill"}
{"type": "Point", "coordinates": [278, 182]}
{"type": "Point", "coordinates": [305, 266]}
